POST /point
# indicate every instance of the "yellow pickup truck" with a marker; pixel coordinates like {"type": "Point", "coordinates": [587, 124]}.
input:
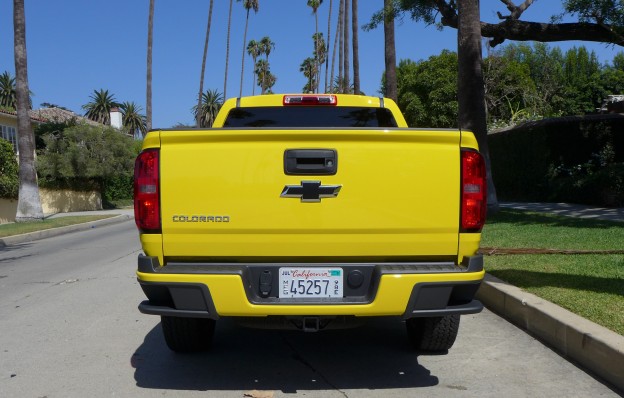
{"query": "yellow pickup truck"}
{"type": "Point", "coordinates": [309, 211]}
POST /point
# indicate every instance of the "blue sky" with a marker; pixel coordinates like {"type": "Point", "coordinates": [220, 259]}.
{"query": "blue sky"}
{"type": "Point", "coordinates": [77, 46]}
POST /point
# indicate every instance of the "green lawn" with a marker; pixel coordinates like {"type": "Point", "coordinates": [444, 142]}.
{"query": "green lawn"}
{"type": "Point", "coordinates": [590, 285]}
{"type": "Point", "coordinates": [23, 228]}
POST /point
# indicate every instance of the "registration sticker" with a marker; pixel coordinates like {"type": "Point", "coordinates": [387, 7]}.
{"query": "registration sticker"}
{"type": "Point", "coordinates": [310, 282]}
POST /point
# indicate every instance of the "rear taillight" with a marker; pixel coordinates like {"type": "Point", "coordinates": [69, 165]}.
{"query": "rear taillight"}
{"type": "Point", "coordinates": [473, 191]}
{"type": "Point", "coordinates": [312, 99]}
{"type": "Point", "coordinates": [147, 191]}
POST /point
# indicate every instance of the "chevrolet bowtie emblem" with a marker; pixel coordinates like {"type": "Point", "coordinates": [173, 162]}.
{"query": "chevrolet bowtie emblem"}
{"type": "Point", "coordinates": [310, 191]}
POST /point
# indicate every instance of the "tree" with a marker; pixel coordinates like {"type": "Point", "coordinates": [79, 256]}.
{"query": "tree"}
{"type": "Point", "coordinates": [203, 67]}
{"type": "Point", "coordinates": [7, 91]}
{"type": "Point", "coordinates": [212, 100]}
{"type": "Point", "coordinates": [148, 99]}
{"type": "Point", "coordinates": [328, 41]}
{"type": "Point", "coordinates": [249, 5]}
{"type": "Point", "coordinates": [227, 51]}
{"type": "Point", "coordinates": [598, 21]}
{"type": "Point", "coordinates": [132, 119]}
{"type": "Point", "coordinates": [266, 46]}
{"type": "Point", "coordinates": [315, 4]}
{"type": "Point", "coordinates": [618, 61]}
{"type": "Point", "coordinates": [356, 45]}
{"type": "Point", "coordinates": [345, 29]}
{"type": "Point", "coordinates": [320, 55]}
{"type": "Point", "coordinates": [9, 171]}
{"type": "Point", "coordinates": [100, 106]}
{"type": "Point", "coordinates": [28, 202]}
{"type": "Point", "coordinates": [308, 68]}
{"type": "Point", "coordinates": [253, 49]}
{"type": "Point", "coordinates": [390, 51]}
{"type": "Point", "coordinates": [470, 89]}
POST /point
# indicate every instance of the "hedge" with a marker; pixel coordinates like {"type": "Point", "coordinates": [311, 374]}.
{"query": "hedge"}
{"type": "Point", "coordinates": [571, 159]}
{"type": "Point", "coordinates": [9, 171]}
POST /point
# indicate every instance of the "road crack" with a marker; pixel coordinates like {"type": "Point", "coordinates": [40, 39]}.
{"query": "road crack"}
{"type": "Point", "coordinates": [298, 357]}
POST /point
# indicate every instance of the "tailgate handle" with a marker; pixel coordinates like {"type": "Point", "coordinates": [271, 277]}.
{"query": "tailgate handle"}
{"type": "Point", "coordinates": [310, 162]}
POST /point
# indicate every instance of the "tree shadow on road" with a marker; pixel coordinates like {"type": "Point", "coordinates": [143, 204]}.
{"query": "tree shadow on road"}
{"type": "Point", "coordinates": [376, 356]}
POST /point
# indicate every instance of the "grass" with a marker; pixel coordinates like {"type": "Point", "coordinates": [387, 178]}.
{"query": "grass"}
{"type": "Point", "coordinates": [590, 285]}
{"type": "Point", "coordinates": [23, 228]}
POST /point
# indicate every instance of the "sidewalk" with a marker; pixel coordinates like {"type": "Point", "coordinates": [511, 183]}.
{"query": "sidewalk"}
{"type": "Point", "coordinates": [595, 348]}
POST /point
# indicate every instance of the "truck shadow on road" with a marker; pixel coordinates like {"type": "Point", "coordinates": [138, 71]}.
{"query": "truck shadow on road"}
{"type": "Point", "coordinates": [375, 356]}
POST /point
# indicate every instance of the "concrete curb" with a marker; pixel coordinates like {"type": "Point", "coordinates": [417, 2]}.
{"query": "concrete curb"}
{"type": "Point", "coordinates": [592, 346]}
{"type": "Point", "coordinates": [47, 233]}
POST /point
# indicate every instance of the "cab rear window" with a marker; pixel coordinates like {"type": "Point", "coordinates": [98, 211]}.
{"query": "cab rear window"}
{"type": "Point", "coordinates": [309, 116]}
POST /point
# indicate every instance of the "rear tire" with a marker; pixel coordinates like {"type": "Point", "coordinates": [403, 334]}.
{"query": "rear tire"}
{"type": "Point", "coordinates": [187, 334]}
{"type": "Point", "coordinates": [434, 334]}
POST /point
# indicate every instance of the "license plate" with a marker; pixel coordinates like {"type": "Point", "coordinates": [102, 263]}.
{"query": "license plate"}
{"type": "Point", "coordinates": [310, 282]}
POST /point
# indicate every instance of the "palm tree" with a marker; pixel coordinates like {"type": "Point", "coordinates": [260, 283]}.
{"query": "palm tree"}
{"type": "Point", "coordinates": [328, 41]}
{"type": "Point", "coordinates": [99, 108]}
{"type": "Point", "coordinates": [261, 69]}
{"type": "Point", "coordinates": [345, 47]}
{"type": "Point", "coordinates": [148, 99]}
{"type": "Point", "coordinates": [315, 4]}
{"type": "Point", "coordinates": [212, 100]}
{"type": "Point", "coordinates": [203, 68]}
{"type": "Point", "coordinates": [390, 51]}
{"type": "Point", "coordinates": [336, 43]}
{"type": "Point", "coordinates": [227, 51]}
{"type": "Point", "coordinates": [248, 4]}
{"type": "Point", "coordinates": [356, 45]}
{"type": "Point", "coordinates": [253, 49]}
{"type": "Point", "coordinates": [340, 35]}
{"type": "Point", "coordinates": [28, 203]}
{"type": "Point", "coordinates": [132, 119]}
{"type": "Point", "coordinates": [266, 46]}
{"type": "Point", "coordinates": [308, 68]}
{"type": "Point", "coordinates": [470, 89]}
{"type": "Point", "coordinates": [7, 91]}
{"type": "Point", "coordinates": [320, 55]}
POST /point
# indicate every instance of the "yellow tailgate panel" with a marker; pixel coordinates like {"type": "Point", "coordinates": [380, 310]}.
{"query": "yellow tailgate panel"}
{"type": "Point", "coordinates": [399, 195]}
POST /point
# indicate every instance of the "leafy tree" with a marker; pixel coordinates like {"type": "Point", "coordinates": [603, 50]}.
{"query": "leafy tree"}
{"type": "Point", "coordinates": [100, 106]}
{"type": "Point", "coordinates": [248, 5]}
{"type": "Point", "coordinates": [29, 202]}
{"type": "Point", "coordinates": [132, 119]}
{"type": "Point", "coordinates": [427, 91]}
{"type": "Point", "coordinates": [212, 100]}
{"type": "Point", "coordinates": [9, 170]}
{"type": "Point", "coordinates": [618, 61]}
{"type": "Point", "coordinates": [86, 152]}
{"type": "Point", "coordinates": [253, 49]}
{"type": "Point", "coordinates": [203, 67]}
{"type": "Point", "coordinates": [7, 91]}
{"type": "Point", "coordinates": [598, 20]}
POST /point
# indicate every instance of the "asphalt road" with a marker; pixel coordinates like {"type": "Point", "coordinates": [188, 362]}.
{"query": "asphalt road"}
{"type": "Point", "coordinates": [69, 327]}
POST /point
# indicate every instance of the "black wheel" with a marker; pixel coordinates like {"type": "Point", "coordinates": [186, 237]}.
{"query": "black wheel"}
{"type": "Point", "coordinates": [187, 334]}
{"type": "Point", "coordinates": [433, 334]}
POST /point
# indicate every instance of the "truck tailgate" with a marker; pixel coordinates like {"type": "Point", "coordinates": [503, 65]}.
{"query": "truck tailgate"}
{"type": "Point", "coordinates": [221, 193]}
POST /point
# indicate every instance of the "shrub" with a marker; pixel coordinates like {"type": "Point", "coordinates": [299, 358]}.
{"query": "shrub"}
{"type": "Point", "coordinates": [9, 171]}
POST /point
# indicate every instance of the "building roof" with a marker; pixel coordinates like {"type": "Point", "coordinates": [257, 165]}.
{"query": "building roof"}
{"type": "Point", "coordinates": [56, 115]}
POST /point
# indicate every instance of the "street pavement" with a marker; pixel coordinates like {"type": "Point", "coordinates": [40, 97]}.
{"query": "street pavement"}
{"type": "Point", "coordinates": [595, 348]}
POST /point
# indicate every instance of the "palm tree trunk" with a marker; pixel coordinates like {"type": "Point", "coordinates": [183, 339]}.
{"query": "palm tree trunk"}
{"type": "Point", "coordinates": [471, 90]}
{"type": "Point", "coordinates": [203, 67]}
{"type": "Point", "coordinates": [253, 86]}
{"type": "Point", "coordinates": [328, 41]}
{"type": "Point", "coordinates": [346, 47]}
{"type": "Point", "coordinates": [390, 51]}
{"type": "Point", "coordinates": [341, 47]}
{"type": "Point", "coordinates": [148, 96]}
{"type": "Point", "coordinates": [240, 94]}
{"type": "Point", "coordinates": [356, 45]}
{"type": "Point", "coordinates": [316, 51]}
{"type": "Point", "coordinates": [227, 52]}
{"type": "Point", "coordinates": [29, 202]}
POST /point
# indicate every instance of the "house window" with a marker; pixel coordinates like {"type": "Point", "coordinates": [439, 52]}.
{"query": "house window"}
{"type": "Point", "coordinates": [9, 134]}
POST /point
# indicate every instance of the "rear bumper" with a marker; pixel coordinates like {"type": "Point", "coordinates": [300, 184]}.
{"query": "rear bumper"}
{"type": "Point", "coordinates": [218, 290]}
